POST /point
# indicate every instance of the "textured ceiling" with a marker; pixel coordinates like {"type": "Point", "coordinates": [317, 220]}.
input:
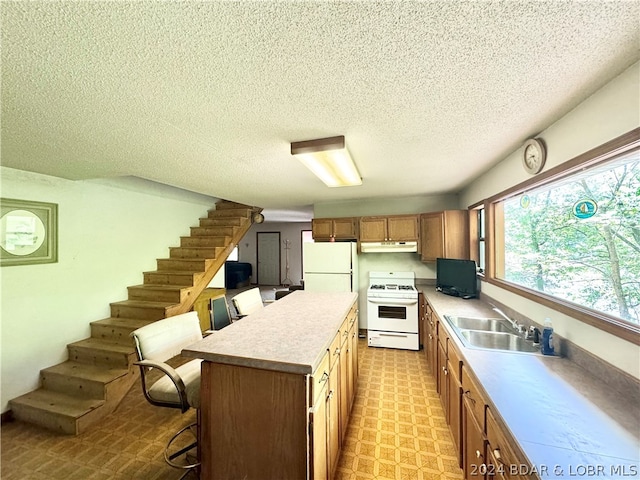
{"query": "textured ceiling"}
{"type": "Point", "coordinates": [207, 96]}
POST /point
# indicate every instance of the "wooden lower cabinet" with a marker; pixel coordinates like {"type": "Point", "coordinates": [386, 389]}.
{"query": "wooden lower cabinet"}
{"type": "Point", "coordinates": [484, 446]}
{"type": "Point", "coordinates": [454, 403]}
{"type": "Point", "coordinates": [502, 461]}
{"type": "Point", "coordinates": [474, 452]}
{"type": "Point", "coordinates": [333, 422]}
{"type": "Point", "coordinates": [319, 425]}
{"type": "Point", "coordinates": [473, 439]}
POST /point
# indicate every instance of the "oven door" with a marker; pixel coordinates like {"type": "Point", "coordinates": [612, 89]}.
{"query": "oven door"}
{"type": "Point", "coordinates": [392, 314]}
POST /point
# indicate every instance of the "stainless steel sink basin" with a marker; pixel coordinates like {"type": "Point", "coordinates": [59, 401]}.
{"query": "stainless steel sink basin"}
{"type": "Point", "coordinates": [484, 324]}
{"type": "Point", "coordinates": [490, 333]}
{"type": "Point", "coordinates": [498, 341]}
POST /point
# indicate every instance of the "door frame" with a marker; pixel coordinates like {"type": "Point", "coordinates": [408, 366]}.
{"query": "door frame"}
{"type": "Point", "coordinates": [258, 257]}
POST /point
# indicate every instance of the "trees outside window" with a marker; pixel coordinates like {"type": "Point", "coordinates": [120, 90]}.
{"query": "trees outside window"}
{"type": "Point", "coordinates": [578, 239]}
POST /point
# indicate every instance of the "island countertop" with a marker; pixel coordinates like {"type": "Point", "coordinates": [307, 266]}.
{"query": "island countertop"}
{"type": "Point", "coordinates": [289, 335]}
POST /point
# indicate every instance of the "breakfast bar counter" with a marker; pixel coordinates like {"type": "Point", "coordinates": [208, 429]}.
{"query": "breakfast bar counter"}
{"type": "Point", "coordinates": [273, 396]}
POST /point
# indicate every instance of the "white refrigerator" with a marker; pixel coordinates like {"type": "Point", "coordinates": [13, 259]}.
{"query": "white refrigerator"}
{"type": "Point", "coordinates": [330, 266]}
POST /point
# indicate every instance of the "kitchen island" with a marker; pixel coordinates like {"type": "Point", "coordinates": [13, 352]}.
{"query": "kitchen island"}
{"type": "Point", "coordinates": [277, 388]}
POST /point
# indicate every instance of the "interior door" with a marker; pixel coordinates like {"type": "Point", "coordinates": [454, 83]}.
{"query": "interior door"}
{"type": "Point", "coordinates": [268, 258]}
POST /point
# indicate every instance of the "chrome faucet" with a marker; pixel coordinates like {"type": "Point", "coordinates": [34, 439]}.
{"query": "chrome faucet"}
{"type": "Point", "coordinates": [513, 323]}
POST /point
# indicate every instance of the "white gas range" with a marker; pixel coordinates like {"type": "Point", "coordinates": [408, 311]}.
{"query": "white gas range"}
{"type": "Point", "coordinates": [392, 310]}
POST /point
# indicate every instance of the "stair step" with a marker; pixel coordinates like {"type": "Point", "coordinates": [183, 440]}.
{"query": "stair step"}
{"type": "Point", "coordinates": [204, 241]}
{"type": "Point", "coordinates": [223, 222]}
{"type": "Point", "coordinates": [230, 212]}
{"type": "Point", "coordinates": [94, 351]}
{"type": "Point", "coordinates": [80, 379]}
{"type": "Point", "coordinates": [213, 231]}
{"type": "Point", "coordinates": [172, 277]}
{"type": "Point", "coordinates": [57, 411]}
{"type": "Point", "coordinates": [116, 330]}
{"type": "Point", "coordinates": [183, 264]}
{"type": "Point", "coordinates": [226, 204]}
{"type": "Point", "coordinates": [142, 309]}
{"type": "Point", "coordinates": [159, 293]}
{"type": "Point", "coordinates": [195, 252]}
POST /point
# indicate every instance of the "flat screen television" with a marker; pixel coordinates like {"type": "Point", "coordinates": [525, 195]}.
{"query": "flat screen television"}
{"type": "Point", "coordinates": [456, 277]}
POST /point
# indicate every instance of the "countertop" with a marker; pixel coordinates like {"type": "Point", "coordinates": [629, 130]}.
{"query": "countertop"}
{"type": "Point", "coordinates": [289, 335]}
{"type": "Point", "coordinates": [567, 422]}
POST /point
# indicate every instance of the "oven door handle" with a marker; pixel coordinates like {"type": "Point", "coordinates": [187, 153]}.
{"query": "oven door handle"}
{"type": "Point", "coordinates": [393, 301]}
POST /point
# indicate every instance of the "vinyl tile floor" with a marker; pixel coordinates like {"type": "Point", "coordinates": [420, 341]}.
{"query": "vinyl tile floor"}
{"type": "Point", "coordinates": [397, 431]}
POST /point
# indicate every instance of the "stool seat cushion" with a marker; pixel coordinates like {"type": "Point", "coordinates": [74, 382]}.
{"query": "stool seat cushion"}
{"type": "Point", "coordinates": [165, 391]}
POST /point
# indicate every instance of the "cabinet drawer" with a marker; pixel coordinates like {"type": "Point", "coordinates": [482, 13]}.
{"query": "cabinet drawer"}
{"type": "Point", "coordinates": [501, 451]}
{"type": "Point", "coordinates": [475, 400]}
{"type": "Point", "coordinates": [319, 379]}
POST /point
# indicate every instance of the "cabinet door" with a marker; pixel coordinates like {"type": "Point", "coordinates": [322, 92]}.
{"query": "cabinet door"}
{"type": "Point", "coordinates": [318, 422]}
{"type": "Point", "coordinates": [354, 360]}
{"type": "Point", "coordinates": [455, 407]}
{"type": "Point", "coordinates": [321, 228]}
{"type": "Point", "coordinates": [432, 355]}
{"type": "Point", "coordinates": [403, 228]}
{"type": "Point", "coordinates": [352, 354]}
{"type": "Point", "coordinates": [373, 229]}
{"type": "Point", "coordinates": [333, 420]}
{"type": "Point", "coordinates": [432, 236]}
{"type": "Point", "coordinates": [502, 461]}
{"type": "Point", "coordinates": [444, 234]}
{"type": "Point", "coordinates": [443, 380]}
{"type": "Point", "coordinates": [344, 382]}
{"type": "Point", "coordinates": [474, 444]}
{"type": "Point", "coordinates": [344, 228]}
{"type": "Point", "coordinates": [422, 318]}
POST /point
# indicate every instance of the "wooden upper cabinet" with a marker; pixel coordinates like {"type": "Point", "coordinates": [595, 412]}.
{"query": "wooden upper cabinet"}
{"type": "Point", "coordinates": [396, 228]}
{"type": "Point", "coordinates": [373, 229]}
{"type": "Point", "coordinates": [444, 234]}
{"type": "Point", "coordinates": [334, 228]}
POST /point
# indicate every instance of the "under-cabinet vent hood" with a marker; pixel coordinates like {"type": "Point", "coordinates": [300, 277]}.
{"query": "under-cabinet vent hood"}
{"type": "Point", "coordinates": [387, 247]}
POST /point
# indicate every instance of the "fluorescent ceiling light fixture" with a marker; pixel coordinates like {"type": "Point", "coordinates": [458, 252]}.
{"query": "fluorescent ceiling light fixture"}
{"type": "Point", "coordinates": [329, 160]}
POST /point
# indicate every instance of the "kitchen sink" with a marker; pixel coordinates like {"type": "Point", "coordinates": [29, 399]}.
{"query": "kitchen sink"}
{"type": "Point", "coordinates": [484, 324]}
{"type": "Point", "coordinates": [498, 341]}
{"type": "Point", "coordinates": [491, 334]}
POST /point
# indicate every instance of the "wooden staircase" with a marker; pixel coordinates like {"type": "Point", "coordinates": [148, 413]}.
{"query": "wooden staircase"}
{"type": "Point", "coordinates": [99, 372]}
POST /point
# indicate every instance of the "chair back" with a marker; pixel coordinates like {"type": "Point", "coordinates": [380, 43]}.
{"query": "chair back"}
{"type": "Point", "coordinates": [248, 301]}
{"type": "Point", "coordinates": [221, 315]}
{"type": "Point", "coordinates": [165, 339]}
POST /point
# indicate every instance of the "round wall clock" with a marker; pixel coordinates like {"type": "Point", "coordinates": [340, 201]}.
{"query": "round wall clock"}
{"type": "Point", "coordinates": [257, 217]}
{"type": "Point", "coordinates": [535, 154]}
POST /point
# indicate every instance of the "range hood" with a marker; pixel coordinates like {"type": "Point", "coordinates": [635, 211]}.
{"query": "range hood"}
{"type": "Point", "coordinates": [388, 247]}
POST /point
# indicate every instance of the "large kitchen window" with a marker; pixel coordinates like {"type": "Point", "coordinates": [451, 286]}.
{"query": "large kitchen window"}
{"type": "Point", "coordinates": [572, 238]}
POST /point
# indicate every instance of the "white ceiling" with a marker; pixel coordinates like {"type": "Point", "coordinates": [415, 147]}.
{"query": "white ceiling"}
{"type": "Point", "coordinates": [207, 96]}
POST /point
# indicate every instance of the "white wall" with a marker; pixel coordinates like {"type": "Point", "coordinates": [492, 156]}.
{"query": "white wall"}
{"type": "Point", "coordinates": [107, 237]}
{"type": "Point", "coordinates": [609, 113]}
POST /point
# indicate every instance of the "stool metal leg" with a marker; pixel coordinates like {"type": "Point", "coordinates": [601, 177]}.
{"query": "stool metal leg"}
{"type": "Point", "coordinates": [169, 457]}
